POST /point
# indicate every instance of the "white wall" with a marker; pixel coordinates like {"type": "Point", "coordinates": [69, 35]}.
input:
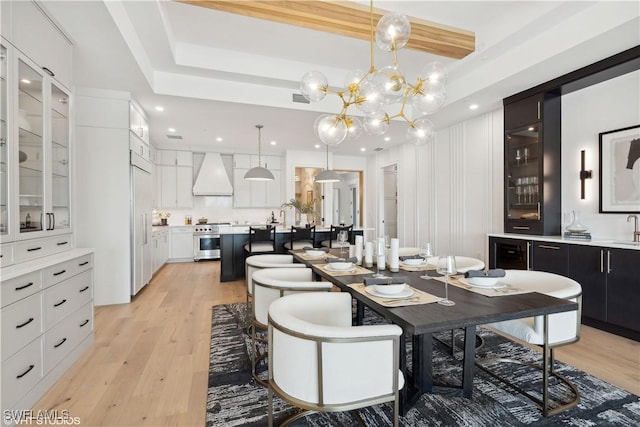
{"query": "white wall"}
{"type": "Point", "coordinates": [451, 189]}
{"type": "Point", "coordinates": [607, 106]}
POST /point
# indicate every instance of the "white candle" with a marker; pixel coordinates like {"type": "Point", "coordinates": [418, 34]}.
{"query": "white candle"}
{"type": "Point", "coordinates": [394, 259]}
{"type": "Point", "coordinates": [368, 254]}
{"type": "Point", "coordinates": [380, 253]}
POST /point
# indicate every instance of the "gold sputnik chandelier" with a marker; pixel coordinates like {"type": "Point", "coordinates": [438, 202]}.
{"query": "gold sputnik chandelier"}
{"type": "Point", "coordinates": [373, 91]}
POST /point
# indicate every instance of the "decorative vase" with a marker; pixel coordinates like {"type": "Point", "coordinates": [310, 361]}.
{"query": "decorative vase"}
{"type": "Point", "coordinates": [309, 220]}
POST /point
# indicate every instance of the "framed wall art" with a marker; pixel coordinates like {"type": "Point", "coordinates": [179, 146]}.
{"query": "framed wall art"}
{"type": "Point", "coordinates": [620, 170]}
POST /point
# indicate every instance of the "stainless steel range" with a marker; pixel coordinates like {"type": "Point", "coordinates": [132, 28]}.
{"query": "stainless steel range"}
{"type": "Point", "coordinates": [206, 241]}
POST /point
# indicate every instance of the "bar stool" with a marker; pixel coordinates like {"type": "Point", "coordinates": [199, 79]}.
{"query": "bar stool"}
{"type": "Point", "coordinates": [301, 237]}
{"type": "Point", "coordinates": [333, 235]}
{"type": "Point", "coordinates": [261, 240]}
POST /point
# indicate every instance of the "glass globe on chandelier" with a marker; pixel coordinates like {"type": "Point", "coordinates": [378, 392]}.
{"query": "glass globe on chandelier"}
{"type": "Point", "coordinates": [374, 90]}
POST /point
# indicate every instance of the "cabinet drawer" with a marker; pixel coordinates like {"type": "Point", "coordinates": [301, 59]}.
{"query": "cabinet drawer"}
{"type": "Point", "coordinates": [62, 299]}
{"type": "Point", "coordinates": [21, 287]}
{"type": "Point", "coordinates": [139, 147]}
{"type": "Point", "coordinates": [59, 272]}
{"type": "Point", "coordinates": [21, 324]}
{"type": "Point", "coordinates": [65, 336]}
{"type": "Point", "coordinates": [21, 373]}
{"type": "Point", "coordinates": [6, 254]}
{"type": "Point", "coordinates": [32, 249]}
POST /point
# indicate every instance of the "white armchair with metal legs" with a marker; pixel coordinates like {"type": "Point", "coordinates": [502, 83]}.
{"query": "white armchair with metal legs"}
{"type": "Point", "coordinates": [320, 363]}
{"type": "Point", "coordinates": [269, 284]}
{"type": "Point", "coordinates": [550, 332]}
{"type": "Point", "coordinates": [257, 262]}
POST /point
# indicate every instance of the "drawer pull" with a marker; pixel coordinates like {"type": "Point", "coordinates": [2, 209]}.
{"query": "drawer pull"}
{"type": "Point", "coordinates": [22, 325]}
{"type": "Point", "coordinates": [60, 343]}
{"type": "Point", "coordinates": [26, 372]}
{"type": "Point", "coordinates": [520, 227]}
{"type": "Point", "coordinates": [61, 243]}
{"type": "Point", "coordinates": [19, 288]}
{"type": "Point", "coordinates": [60, 303]}
{"type": "Point", "coordinates": [557, 248]}
{"type": "Point", "coordinates": [84, 289]}
{"type": "Point", "coordinates": [60, 272]}
{"type": "Point", "coordinates": [83, 263]}
{"type": "Point", "coordinates": [37, 248]}
{"type": "Point", "coordinates": [84, 323]}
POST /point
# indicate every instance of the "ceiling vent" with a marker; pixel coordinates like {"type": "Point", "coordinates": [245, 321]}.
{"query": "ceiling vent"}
{"type": "Point", "coordinates": [299, 98]}
{"type": "Point", "coordinates": [378, 149]}
{"type": "Point", "coordinates": [174, 137]}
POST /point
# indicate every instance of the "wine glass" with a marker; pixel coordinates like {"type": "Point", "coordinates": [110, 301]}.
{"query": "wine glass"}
{"type": "Point", "coordinates": [446, 266]}
{"type": "Point", "coordinates": [425, 252]}
{"type": "Point", "coordinates": [379, 252]}
{"type": "Point", "coordinates": [342, 239]}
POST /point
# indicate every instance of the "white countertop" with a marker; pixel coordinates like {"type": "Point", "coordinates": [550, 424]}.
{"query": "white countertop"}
{"type": "Point", "coordinates": [609, 243]}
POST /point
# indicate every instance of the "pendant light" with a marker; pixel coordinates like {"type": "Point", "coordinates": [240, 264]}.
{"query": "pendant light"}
{"type": "Point", "coordinates": [259, 173]}
{"type": "Point", "coordinates": [327, 175]}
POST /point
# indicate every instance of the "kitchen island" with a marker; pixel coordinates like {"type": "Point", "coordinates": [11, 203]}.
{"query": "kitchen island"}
{"type": "Point", "coordinates": [233, 239]}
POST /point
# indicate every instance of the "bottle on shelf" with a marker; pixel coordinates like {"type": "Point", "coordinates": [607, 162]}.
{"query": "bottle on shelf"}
{"type": "Point", "coordinates": [27, 221]}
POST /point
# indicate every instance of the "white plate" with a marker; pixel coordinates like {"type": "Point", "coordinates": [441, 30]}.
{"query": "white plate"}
{"type": "Point", "coordinates": [415, 262]}
{"type": "Point", "coordinates": [335, 270]}
{"type": "Point", "coordinates": [315, 254]}
{"type": "Point", "coordinates": [405, 293]}
{"type": "Point", "coordinates": [497, 285]}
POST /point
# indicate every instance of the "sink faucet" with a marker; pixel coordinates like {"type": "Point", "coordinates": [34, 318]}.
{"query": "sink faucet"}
{"type": "Point", "coordinates": [636, 233]}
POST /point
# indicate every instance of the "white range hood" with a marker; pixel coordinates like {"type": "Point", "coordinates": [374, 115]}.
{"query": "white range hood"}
{"type": "Point", "coordinates": [212, 180]}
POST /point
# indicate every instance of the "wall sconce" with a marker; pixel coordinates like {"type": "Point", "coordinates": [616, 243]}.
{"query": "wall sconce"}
{"type": "Point", "coordinates": [584, 174]}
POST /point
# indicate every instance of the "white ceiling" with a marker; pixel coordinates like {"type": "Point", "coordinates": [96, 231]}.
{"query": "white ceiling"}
{"type": "Point", "coordinates": [218, 74]}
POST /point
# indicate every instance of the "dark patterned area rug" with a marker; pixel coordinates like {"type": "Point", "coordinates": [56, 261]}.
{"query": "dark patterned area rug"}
{"type": "Point", "coordinates": [235, 399]}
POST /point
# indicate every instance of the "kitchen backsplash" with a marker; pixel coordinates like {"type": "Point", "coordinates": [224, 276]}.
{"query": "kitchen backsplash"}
{"type": "Point", "coordinates": [219, 209]}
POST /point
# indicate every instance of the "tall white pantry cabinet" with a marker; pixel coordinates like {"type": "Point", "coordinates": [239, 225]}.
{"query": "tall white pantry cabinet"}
{"type": "Point", "coordinates": [46, 282]}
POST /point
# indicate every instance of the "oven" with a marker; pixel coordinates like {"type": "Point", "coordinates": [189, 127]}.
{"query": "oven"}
{"type": "Point", "coordinates": [206, 241]}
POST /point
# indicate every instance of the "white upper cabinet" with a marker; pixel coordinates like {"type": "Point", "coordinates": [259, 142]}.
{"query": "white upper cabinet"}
{"type": "Point", "coordinates": [256, 194]}
{"type": "Point", "coordinates": [38, 38]}
{"type": "Point", "coordinates": [138, 123]}
{"type": "Point", "coordinates": [175, 169]}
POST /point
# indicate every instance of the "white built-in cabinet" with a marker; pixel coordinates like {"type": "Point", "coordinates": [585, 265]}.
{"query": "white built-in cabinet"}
{"type": "Point", "coordinates": [46, 315]}
{"type": "Point", "coordinates": [161, 246]}
{"type": "Point", "coordinates": [182, 246]}
{"type": "Point", "coordinates": [256, 194]}
{"type": "Point", "coordinates": [175, 170]}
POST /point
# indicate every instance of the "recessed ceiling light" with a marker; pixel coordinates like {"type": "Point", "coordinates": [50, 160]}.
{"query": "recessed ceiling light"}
{"type": "Point", "coordinates": [473, 106]}
{"type": "Point", "coordinates": [26, 81]}
{"type": "Point", "coordinates": [159, 108]}
{"type": "Point", "coordinates": [219, 139]}
{"type": "Point", "coordinates": [363, 149]}
{"type": "Point", "coordinates": [317, 145]}
{"type": "Point", "coordinates": [172, 129]}
{"type": "Point", "coordinates": [386, 138]}
{"type": "Point", "coordinates": [273, 143]}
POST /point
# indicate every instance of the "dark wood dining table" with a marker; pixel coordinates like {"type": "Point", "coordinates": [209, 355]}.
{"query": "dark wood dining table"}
{"type": "Point", "coordinates": [420, 322]}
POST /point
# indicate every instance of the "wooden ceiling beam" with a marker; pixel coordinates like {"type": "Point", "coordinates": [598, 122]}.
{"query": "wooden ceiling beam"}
{"type": "Point", "coordinates": [347, 19]}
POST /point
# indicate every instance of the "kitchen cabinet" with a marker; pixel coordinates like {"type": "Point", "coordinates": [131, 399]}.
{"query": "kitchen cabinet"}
{"type": "Point", "coordinates": [181, 244]}
{"type": "Point", "coordinates": [46, 313]}
{"type": "Point", "coordinates": [138, 123]}
{"type": "Point", "coordinates": [610, 287]}
{"type": "Point", "coordinates": [256, 194]}
{"type": "Point", "coordinates": [35, 154]}
{"type": "Point", "coordinates": [161, 248]}
{"type": "Point", "coordinates": [35, 34]}
{"type": "Point", "coordinates": [550, 257]}
{"type": "Point", "coordinates": [532, 165]}
{"type": "Point", "coordinates": [176, 179]}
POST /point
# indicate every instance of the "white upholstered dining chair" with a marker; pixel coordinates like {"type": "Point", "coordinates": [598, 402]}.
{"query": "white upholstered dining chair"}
{"type": "Point", "coordinates": [269, 284]}
{"type": "Point", "coordinates": [562, 328]}
{"type": "Point", "coordinates": [257, 262]}
{"type": "Point", "coordinates": [319, 362]}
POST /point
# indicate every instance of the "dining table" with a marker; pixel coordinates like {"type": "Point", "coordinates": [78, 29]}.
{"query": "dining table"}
{"type": "Point", "coordinates": [421, 316]}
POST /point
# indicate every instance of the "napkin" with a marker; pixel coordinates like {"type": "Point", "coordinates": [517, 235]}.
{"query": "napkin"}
{"type": "Point", "coordinates": [402, 258]}
{"type": "Point", "coordinates": [394, 263]}
{"type": "Point", "coordinates": [309, 248]}
{"type": "Point", "coordinates": [368, 254]}
{"type": "Point", "coordinates": [359, 240]}
{"type": "Point", "coordinates": [384, 280]}
{"type": "Point", "coordinates": [496, 272]}
{"type": "Point", "coordinates": [341, 260]}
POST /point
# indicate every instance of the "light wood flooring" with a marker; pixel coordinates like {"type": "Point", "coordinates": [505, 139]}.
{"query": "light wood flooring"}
{"type": "Point", "coordinates": [149, 362]}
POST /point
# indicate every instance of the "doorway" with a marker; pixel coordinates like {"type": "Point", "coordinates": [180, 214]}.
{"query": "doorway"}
{"type": "Point", "coordinates": [390, 201]}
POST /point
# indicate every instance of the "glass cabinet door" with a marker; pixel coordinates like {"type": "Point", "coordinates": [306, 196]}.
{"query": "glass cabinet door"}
{"type": "Point", "coordinates": [523, 173]}
{"type": "Point", "coordinates": [4, 181]}
{"type": "Point", "coordinates": [31, 149]}
{"type": "Point", "coordinates": [59, 158]}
